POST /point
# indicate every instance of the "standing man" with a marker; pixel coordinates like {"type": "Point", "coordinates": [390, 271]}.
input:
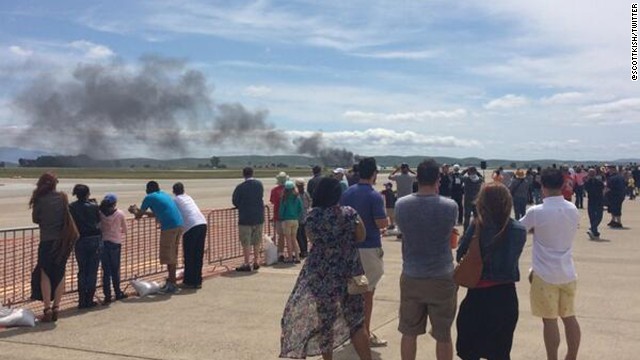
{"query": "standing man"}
{"type": "Point", "coordinates": [616, 189]}
{"type": "Point", "coordinates": [445, 182]}
{"type": "Point", "coordinates": [472, 181]}
{"type": "Point", "coordinates": [301, 235]}
{"type": "Point", "coordinates": [275, 199]}
{"type": "Point", "coordinates": [554, 224]}
{"type": "Point", "coordinates": [339, 174]}
{"type": "Point", "coordinates": [195, 232]}
{"type": "Point", "coordinates": [457, 190]}
{"type": "Point", "coordinates": [404, 180]}
{"type": "Point", "coordinates": [313, 182]}
{"type": "Point", "coordinates": [248, 199]}
{"type": "Point", "coordinates": [166, 212]}
{"type": "Point", "coordinates": [370, 206]}
{"type": "Point", "coordinates": [427, 289]}
{"type": "Point", "coordinates": [404, 185]}
{"type": "Point", "coordinates": [595, 192]}
{"type": "Point", "coordinates": [519, 189]}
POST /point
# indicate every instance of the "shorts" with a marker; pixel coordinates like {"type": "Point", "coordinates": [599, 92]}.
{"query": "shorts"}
{"type": "Point", "coordinates": [290, 227]}
{"type": "Point", "coordinates": [169, 244]}
{"type": "Point", "coordinates": [371, 259]}
{"type": "Point", "coordinates": [436, 299]}
{"type": "Point", "coordinates": [391, 212]}
{"type": "Point", "coordinates": [277, 224]}
{"type": "Point", "coordinates": [549, 301]}
{"type": "Point", "coordinates": [250, 235]}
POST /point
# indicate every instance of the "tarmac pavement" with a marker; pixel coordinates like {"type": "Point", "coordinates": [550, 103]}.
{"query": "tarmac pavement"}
{"type": "Point", "coordinates": [237, 315]}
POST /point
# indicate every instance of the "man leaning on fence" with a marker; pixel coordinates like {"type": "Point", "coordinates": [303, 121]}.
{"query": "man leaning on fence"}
{"type": "Point", "coordinates": [248, 199]}
{"type": "Point", "coordinates": [165, 210]}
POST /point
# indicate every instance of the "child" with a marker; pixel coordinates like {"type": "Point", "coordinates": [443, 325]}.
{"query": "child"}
{"type": "Point", "coordinates": [390, 203]}
{"type": "Point", "coordinates": [114, 230]}
{"type": "Point", "coordinates": [631, 188]}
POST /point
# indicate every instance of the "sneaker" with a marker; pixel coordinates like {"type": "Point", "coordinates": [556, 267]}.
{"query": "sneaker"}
{"type": "Point", "coordinates": [591, 235]}
{"type": "Point", "coordinates": [169, 288]}
{"type": "Point", "coordinates": [296, 260]}
{"type": "Point", "coordinates": [616, 225]}
{"type": "Point", "coordinates": [107, 300]}
{"type": "Point", "coordinates": [375, 341]}
{"type": "Point", "coordinates": [281, 259]}
{"type": "Point", "coordinates": [244, 267]}
{"type": "Point", "coordinates": [121, 296]}
{"type": "Point", "coordinates": [256, 266]}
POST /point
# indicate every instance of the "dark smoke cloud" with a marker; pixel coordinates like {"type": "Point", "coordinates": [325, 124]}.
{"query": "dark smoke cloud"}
{"type": "Point", "coordinates": [103, 102]}
{"type": "Point", "coordinates": [235, 123]}
{"type": "Point", "coordinates": [329, 156]}
{"type": "Point", "coordinates": [102, 107]}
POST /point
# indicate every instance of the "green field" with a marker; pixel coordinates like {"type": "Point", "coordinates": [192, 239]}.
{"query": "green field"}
{"type": "Point", "coordinates": [120, 173]}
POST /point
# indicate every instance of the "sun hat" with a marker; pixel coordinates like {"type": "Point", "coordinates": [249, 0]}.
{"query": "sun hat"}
{"type": "Point", "coordinates": [520, 174]}
{"type": "Point", "coordinates": [282, 177]}
{"type": "Point", "coordinates": [289, 185]}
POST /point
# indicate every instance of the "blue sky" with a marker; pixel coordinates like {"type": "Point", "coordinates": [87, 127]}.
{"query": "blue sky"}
{"type": "Point", "coordinates": [500, 79]}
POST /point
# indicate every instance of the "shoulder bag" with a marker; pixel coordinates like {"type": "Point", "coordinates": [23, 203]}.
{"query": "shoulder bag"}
{"type": "Point", "coordinates": [468, 272]}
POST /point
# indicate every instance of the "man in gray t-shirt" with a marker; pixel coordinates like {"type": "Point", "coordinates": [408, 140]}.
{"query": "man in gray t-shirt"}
{"type": "Point", "coordinates": [404, 180]}
{"type": "Point", "coordinates": [427, 290]}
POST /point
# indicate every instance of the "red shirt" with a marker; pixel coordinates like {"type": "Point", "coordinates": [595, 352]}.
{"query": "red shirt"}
{"type": "Point", "coordinates": [276, 196]}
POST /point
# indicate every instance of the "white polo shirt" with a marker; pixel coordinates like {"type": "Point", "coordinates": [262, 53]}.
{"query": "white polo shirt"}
{"type": "Point", "coordinates": [191, 214]}
{"type": "Point", "coordinates": [554, 224]}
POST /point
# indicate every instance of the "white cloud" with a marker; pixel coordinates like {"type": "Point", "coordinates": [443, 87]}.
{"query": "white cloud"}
{"type": "Point", "coordinates": [422, 116]}
{"type": "Point", "coordinates": [17, 50]}
{"type": "Point", "coordinates": [381, 140]}
{"type": "Point", "coordinates": [403, 55]}
{"type": "Point", "coordinates": [564, 98]}
{"type": "Point", "coordinates": [92, 51]}
{"type": "Point", "coordinates": [257, 91]}
{"type": "Point", "coordinates": [506, 102]}
{"type": "Point", "coordinates": [619, 106]}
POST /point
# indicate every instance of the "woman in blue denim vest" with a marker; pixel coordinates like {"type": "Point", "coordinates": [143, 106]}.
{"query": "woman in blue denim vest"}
{"type": "Point", "coordinates": [489, 313]}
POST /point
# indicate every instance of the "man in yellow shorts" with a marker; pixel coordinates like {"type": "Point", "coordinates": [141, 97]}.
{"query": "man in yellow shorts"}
{"type": "Point", "coordinates": [553, 282]}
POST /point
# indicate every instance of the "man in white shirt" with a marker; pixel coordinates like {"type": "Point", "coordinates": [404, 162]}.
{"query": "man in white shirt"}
{"type": "Point", "coordinates": [554, 224]}
{"type": "Point", "coordinates": [193, 238]}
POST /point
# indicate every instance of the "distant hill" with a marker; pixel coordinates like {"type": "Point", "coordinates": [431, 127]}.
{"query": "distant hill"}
{"type": "Point", "coordinates": [12, 154]}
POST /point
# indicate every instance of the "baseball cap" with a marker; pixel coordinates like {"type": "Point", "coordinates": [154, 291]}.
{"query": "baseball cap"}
{"type": "Point", "coordinates": [111, 198]}
{"type": "Point", "coordinates": [289, 185]}
{"type": "Point", "coordinates": [338, 171]}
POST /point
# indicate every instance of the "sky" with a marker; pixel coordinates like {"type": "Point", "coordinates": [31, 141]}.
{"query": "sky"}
{"type": "Point", "coordinates": [499, 79]}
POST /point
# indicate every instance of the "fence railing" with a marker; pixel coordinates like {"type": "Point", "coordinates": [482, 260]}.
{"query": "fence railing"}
{"type": "Point", "coordinates": [139, 256]}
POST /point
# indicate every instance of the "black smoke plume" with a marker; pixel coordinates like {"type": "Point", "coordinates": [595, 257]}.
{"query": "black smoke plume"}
{"type": "Point", "coordinates": [158, 103]}
{"type": "Point", "coordinates": [329, 156]}
{"type": "Point", "coordinates": [234, 123]}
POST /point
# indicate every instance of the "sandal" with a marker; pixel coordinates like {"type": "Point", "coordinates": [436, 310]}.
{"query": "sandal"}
{"type": "Point", "coordinates": [47, 315]}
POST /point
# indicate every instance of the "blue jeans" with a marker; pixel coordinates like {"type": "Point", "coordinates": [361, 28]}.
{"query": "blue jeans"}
{"type": "Point", "coordinates": [87, 252]}
{"type": "Point", "coordinates": [537, 196]}
{"type": "Point", "coordinates": [519, 207]}
{"type": "Point", "coordinates": [111, 268]}
{"type": "Point", "coordinates": [595, 212]}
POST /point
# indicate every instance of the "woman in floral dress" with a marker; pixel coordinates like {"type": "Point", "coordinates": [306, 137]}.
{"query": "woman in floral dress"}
{"type": "Point", "coordinates": [320, 315]}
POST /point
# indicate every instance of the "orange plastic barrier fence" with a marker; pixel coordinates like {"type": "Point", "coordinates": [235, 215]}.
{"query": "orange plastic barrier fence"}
{"type": "Point", "coordinates": [139, 257]}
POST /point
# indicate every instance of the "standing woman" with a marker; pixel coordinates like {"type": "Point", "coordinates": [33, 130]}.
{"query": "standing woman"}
{"type": "Point", "coordinates": [48, 211]}
{"type": "Point", "coordinates": [489, 313]}
{"type": "Point", "coordinates": [86, 214]}
{"type": "Point", "coordinates": [322, 284]}
{"type": "Point", "coordinates": [290, 210]}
